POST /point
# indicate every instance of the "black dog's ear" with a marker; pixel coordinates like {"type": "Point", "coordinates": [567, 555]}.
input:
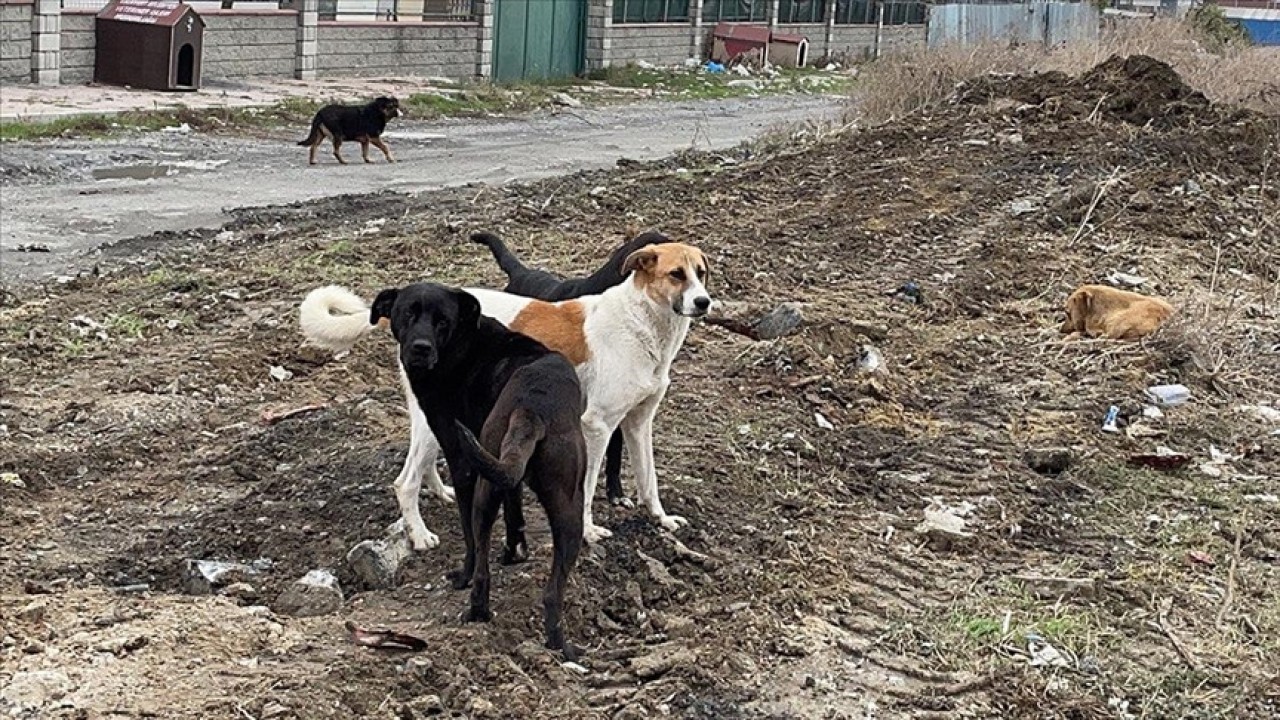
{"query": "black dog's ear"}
{"type": "Point", "coordinates": [468, 310]}
{"type": "Point", "coordinates": [381, 308]}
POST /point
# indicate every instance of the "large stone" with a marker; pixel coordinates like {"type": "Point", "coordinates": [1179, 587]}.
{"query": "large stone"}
{"type": "Point", "coordinates": [317, 593]}
{"type": "Point", "coordinates": [33, 690]}
{"type": "Point", "coordinates": [377, 562]}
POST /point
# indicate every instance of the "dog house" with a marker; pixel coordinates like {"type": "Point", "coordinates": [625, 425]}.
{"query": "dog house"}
{"type": "Point", "coordinates": [152, 44]}
{"type": "Point", "coordinates": [730, 41]}
{"type": "Point", "coordinates": [790, 51]}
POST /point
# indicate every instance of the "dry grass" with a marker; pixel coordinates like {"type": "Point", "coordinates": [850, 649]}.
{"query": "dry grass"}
{"type": "Point", "coordinates": [900, 85]}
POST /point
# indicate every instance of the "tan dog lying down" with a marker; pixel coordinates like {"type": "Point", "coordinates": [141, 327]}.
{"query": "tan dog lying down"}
{"type": "Point", "coordinates": [1101, 311]}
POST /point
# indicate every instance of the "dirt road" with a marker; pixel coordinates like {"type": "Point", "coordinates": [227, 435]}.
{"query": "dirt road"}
{"type": "Point", "coordinates": [73, 197]}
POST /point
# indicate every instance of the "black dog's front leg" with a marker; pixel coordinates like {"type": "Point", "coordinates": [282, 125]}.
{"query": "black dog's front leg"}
{"type": "Point", "coordinates": [464, 486]}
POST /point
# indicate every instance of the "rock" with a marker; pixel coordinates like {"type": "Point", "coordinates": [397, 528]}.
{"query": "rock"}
{"type": "Point", "coordinates": [33, 612]}
{"type": "Point", "coordinates": [662, 660]}
{"type": "Point", "coordinates": [317, 593]}
{"type": "Point", "coordinates": [658, 571]}
{"type": "Point", "coordinates": [749, 84]}
{"type": "Point", "coordinates": [427, 706]}
{"type": "Point", "coordinates": [242, 591]}
{"type": "Point", "coordinates": [1052, 588]}
{"type": "Point", "coordinates": [565, 100]}
{"type": "Point", "coordinates": [782, 320]}
{"type": "Point", "coordinates": [1048, 461]}
{"type": "Point", "coordinates": [377, 562]}
{"type": "Point", "coordinates": [944, 525]}
{"type": "Point", "coordinates": [481, 708]}
{"type": "Point", "coordinates": [203, 577]}
{"type": "Point", "coordinates": [33, 690]}
{"type": "Point", "coordinates": [1024, 206]}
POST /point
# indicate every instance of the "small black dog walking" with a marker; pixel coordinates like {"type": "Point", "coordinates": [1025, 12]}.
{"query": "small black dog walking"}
{"type": "Point", "coordinates": [542, 285]}
{"type": "Point", "coordinates": [470, 375]}
{"type": "Point", "coordinates": [360, 123]}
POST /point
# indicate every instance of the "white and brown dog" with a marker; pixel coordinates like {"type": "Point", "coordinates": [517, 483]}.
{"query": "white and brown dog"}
{"type": "Point", "coordinates": [621, 343]}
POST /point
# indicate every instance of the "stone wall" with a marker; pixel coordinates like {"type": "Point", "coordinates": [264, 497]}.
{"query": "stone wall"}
{"type": "Point", "coordinates": [15, 42]}
{"type": "Point", "coordinates": [398, 49]}
{"type": "Point", "coordinates": [77, 46]}
{"type": "Point", "coordinates": [248, 44]}
{"type": "Point", "coordinates": [665, 44]}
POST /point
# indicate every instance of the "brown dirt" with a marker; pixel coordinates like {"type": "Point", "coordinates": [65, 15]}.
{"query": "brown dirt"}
{"type": "Point", "coordinates": [139, 443]}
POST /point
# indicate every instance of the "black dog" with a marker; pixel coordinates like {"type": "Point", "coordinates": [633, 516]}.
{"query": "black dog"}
{"type": "Point", "coordinates": [471, 374]}
{"type": "Point", "coordinates": [361, 123]}
{"type": "Point", "coordinates": [540, 284]}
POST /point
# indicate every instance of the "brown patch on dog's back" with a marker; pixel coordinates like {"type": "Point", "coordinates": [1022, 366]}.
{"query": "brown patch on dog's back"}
{"type": "Point", "coordinates": [559, 326]}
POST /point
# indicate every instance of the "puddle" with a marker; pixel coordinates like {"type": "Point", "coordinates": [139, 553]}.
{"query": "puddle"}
{"type": "Point", "coordinates": [150, 171]}
{"type": "Point", "coordinates": [145, 171]}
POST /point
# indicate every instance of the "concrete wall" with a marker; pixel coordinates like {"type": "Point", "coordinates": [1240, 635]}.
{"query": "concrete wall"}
{"type": "Point", "coordinates": [397, 48]}
{"type": "Point", "coordinates": [665, 44]}
{"type": "Point", "coordinates": [15, 42]}
{"type": "Point", "coordinates": [859, 41]}
{"type": "Point", "coordinates": [246, 44]}
{"type": "Point", "coordinates": [77, 46]}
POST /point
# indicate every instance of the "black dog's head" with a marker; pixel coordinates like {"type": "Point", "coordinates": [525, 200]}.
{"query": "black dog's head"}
{"type": "Point", "coordinates": [429, 321]}
{"type": "Point", "coordinates": [388, 106]}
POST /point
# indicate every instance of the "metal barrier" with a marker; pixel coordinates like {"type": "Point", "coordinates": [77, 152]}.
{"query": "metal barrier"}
{"type": "Point", "coordinates": [867, 12]}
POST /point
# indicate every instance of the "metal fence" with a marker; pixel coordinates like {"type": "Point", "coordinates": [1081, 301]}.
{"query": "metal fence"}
{"type": "Point", "coordinates": [650, 11]}
{"type": "Point", "coordinates": [867, 12]}
{"type": "Point", "coordinates": [398, 10]}
{"type": "Point", "coordinates": [735, 11]}
{"type": "Point", "coordinates": [1049, 23]}
{"type": "Point", "coordinates": [802, 11]}
{"type": "Point", "coordinates": [409, 10]}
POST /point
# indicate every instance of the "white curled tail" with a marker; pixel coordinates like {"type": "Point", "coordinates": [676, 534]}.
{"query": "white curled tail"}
{"type": "Point", "coordinates": [334, 318]}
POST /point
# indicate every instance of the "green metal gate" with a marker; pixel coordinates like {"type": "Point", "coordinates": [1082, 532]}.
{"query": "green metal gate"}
{"type": "Point", "coordinates": [538, 39]}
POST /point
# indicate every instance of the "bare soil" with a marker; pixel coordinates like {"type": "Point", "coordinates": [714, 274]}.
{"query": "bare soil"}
{"type": "Point", "coordinates": [133, 402]}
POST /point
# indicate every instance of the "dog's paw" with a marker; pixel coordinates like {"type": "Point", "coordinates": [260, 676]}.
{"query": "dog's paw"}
{"type": "Point", "coordinates": [477, 615]}
{"type": "Point", "coordinates": [622, 502]}
{"type": "Point", "coordinates": [515, 555]}
{"type": "Point", "coordinates": [422, 539]}
{"type": "Point", "coordinates": [672, 522]}
{"type": "Point", "coordinates": [447, 494]}
{"type": "Point", "coordinates": [458, 580]}
{"type": "Point", "coordinates": [595, 533]}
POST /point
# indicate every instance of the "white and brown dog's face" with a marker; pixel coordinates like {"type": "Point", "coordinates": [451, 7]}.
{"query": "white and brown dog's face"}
{"type": "Point", "coordinates": [673, 274]}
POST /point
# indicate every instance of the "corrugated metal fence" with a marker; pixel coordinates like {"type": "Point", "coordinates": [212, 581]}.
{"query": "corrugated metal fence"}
{"type": "Point", "coordinates": [1049, 23]}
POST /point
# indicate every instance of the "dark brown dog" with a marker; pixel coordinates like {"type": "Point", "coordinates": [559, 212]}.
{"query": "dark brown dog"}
{"type": "Point", "coordinates": [470, 374]}
{"type": "Point", "coordinates": [363, 124]}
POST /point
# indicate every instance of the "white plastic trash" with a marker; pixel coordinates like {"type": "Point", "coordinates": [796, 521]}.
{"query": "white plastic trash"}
{"type": "Point", "coordinates": [1169, 394]}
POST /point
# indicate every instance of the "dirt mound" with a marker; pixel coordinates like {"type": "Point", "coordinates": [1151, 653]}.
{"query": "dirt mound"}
{"type": "Point", "coordinates": [1137, 89]}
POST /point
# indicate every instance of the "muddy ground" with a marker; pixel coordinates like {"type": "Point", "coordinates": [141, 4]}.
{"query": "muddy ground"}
{"type": "Point", "coordinates": [802, 588]}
